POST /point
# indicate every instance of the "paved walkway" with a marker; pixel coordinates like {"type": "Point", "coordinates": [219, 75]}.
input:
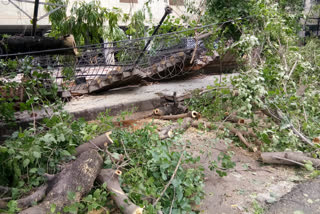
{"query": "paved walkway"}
{"type": "Point", "coordinates": [139, 98]}
{"type": "Point", "coordinates": [142, 98]}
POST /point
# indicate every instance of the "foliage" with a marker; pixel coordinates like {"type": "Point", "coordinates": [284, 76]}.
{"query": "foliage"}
{"type": "Point", "coordinates": [95, 200]}
{"type": "Point", "coordinates": [151, 163]}
{"type": "Point", "coordinates": [278, 73]}
{"type": "Point", "coordinates": [30, 153]}
{"type": "Point", "coordinates": [216, 103]}
{"type": "Point", "coordinates": [136, 28]}
{"type": "Point", "coordinates": [86, 21]}
{"type": "Point", "coordinates": [257, 208]}
{"type": "Point", "coordinates": [35, 89]}
{"type": "Point", "coordinates": [226, 163]}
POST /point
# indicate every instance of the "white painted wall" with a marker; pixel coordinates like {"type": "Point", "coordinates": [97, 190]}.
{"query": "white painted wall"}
{"type": "Point", "coordinates": [10, 15]}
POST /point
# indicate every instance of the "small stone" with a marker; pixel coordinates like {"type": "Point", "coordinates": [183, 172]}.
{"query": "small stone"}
{"type": "Point", "coordinates": [305, 195]}
{"type": "Point", "coordinates": [271, 200]}
{"type": "Point", "coordinates": [310, 201]}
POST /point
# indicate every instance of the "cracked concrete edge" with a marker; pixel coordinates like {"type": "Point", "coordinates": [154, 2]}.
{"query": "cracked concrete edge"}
{"type": "Point", "coordinates": [24, 119]}
{"type": "Point", "coordinates": [144, 105]}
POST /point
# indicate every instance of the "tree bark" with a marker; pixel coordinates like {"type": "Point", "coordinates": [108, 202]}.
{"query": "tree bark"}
{"type": "Point", "coordinates": [100, 142]}
{"type": "Point", "coordinates": [77, 177]}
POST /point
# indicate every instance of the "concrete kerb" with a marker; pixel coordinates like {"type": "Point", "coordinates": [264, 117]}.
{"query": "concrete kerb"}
{"type": "Point", "coordinates": [145, 105]}
{"type": "Point", "coordinates": [133, 98]}
{"type": "Point", "coordinates": [24, 119]}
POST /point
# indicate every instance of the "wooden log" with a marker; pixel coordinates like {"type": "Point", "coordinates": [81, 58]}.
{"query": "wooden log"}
{"type": "Point", "coordinates": [111, 178]}
{"type": "Point", "coordinates": [161, 111]}
{"type": "Point", "coordinates": [192, 114]}
{"type": "Point", "coordinates": [288, 158]}
{"type": "Point", "coordinates": [77, 177]}
{"type": "Point", "coordinates": [201, 123]}
{"type": "Point", "coordinates": [100, 142]}
{"type": "Point", "coordinates": [168, 132]}
{"type": "Point", "coordinates": [236, 119]}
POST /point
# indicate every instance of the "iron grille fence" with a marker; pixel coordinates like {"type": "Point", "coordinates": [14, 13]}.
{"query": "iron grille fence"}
{"type": "Point", "coordinates": [113, 62]}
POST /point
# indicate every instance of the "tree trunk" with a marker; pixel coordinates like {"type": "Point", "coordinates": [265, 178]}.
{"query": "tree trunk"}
{"type": "Point", "coordinates": [77, 177]}
{"type": "Point", "coordinates": [100, 142]}
{"type": "Point", "coordinates": [21, 44]}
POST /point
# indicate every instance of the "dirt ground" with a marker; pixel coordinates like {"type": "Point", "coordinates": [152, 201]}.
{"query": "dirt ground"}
{"type": "Point", "coordinates": [247, 187]}
{"type": "Point", "coordinates": [250, 187]}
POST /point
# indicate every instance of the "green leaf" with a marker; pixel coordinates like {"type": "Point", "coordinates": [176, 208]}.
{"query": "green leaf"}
{"type": "Point", "coordinates": [33, 170]}
{"type": "Point", "coordinates": [53, 208]}
{"type": "Point", "coordinates": [308, 166]}
{"type": "Point", "coordinates": [65, 153]}
{"type": "Point", "coordinates": [36, 154]}
{"type": "Point", "coordinates": [3, 149]}
{"type": "Point", "coordinates": [71, 196]}
{"type": "Point", "coordinates": [25, 163]}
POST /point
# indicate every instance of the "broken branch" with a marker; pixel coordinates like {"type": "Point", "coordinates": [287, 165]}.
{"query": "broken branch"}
{"type": "Point", "coordinates": [192, 114]}
{"type": "Point", "coordinates": [111, 178]}
{"type": "Point", "coordinates": [288, 158]}
{"type": "Point", "coordinates": [100, 142]}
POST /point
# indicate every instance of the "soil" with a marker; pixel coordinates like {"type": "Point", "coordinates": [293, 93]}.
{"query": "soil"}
{"type": "Point", "coordinates": [247, 187]}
